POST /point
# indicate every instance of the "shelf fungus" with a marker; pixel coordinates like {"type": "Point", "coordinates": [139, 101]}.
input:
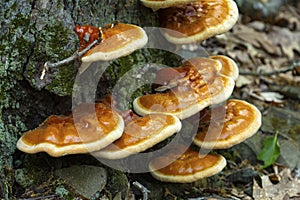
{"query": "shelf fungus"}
{"type": "Point", "coordinates": [241, 121]}
{"type": "Point", "coordinates": [187, 167]}
{"type": "Point", "coordinates": [158, 4]}
{"type": "Point", "coordinates": [62, 135]}
{"type": "Point", "coordinates": [198, 20]}
{"type": "Point", "coordinates": [86, 35]}
{"type": "Point", "coordinates": [186, 90]}
{"type": "Point", "coordinates": [116, 40]}
{"type": "Point", "coordinates": [229, 67]}
{"type": "Point", "coordinates": [140, 134]}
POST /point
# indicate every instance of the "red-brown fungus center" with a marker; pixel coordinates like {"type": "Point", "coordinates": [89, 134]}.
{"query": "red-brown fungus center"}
{"type": "Point", "coordinates": [193, 18]}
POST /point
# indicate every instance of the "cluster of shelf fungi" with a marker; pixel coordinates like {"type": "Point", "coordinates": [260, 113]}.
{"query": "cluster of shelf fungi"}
{"type": "Point", "coordinates": [180, 94]}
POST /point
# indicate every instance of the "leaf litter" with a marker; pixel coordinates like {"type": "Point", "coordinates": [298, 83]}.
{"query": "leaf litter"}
{"type": "Point", "coordinates": [261, 48]}
{"type": "Point", "coordinates": [287, 187]}
{"type": "Point", "coordinates": [258, 47]}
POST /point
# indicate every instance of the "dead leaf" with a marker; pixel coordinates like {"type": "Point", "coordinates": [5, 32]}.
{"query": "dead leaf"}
{"type": "Point", "coordinates": [242, 81]}
{"type": "Point", "coordinates": [287, 40]}
{"type": "Point", "coordinates": [288, 186]}
{"type": "Point", "coordinates": [274, 97]}
{"type": "Point", "coordinates": [258, 192]}
{"type": "Point", "coordinates": [257, 39]}
{"type": "Point", "coordinates": [289, 19]}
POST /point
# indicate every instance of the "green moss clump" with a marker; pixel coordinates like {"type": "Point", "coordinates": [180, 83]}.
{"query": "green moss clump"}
{"type": "Point", "coordinates": [52, 42]}
{"type": "Point", "coordinates": [278, 123]}
{"type": "Point", "coordinates": [117, 182]}
{"type": "Point", "coordinates": [63, 81]}
{"type": "Point", "coordinates": [24, 178]}
{"type": "Point", "coordinates": [62, 192]}
{"type": "Point", "coordinates": [19, 42]}
{"type": "Point", "coordinates": [14, 51]}
{"type": "Point", "coordinates": [13, 54]}
{"type": "Point", "coordinates": [294, 132]}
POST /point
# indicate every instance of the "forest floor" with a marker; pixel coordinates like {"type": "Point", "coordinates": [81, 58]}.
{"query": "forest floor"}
{"type": "Point", "coordinates": [268, 56]}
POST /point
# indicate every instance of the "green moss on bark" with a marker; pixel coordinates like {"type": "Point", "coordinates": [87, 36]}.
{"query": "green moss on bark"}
{"type": "Point", "coordinates": [18, 39]}
{"type": "Point", "coordinates": [54, 41]}
{"type": "Point", "coordinates": [33, 32]}
{"type": "Point", "coordinates": [13, 52]}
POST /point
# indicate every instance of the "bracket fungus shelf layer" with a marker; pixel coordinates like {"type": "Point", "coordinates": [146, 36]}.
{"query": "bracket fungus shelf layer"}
{"type": "Point", "coordinates": [62, 135]}
{"type": "Point", "coordinates": [241, 121]}
{"type": "Point", "coordinates": [198, 20]}
{"type": "Point", "coordinates": [187, 167]}
{"type": "Point", "coordinates": [141, 134]}
{"type": "Point", "coordinates": [229, 67]}
{"type": "Point", "coordinates": [180, 92]}
{"type": "Point", "coordinates": [158, 4]}
{"type": "Point", "coordinates": [116, 40]}
{"type": "Point", "coordinates": [196, 84]}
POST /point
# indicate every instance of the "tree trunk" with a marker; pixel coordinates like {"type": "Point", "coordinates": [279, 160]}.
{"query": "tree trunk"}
{"type": "Point", "coordinates": [33, 32]}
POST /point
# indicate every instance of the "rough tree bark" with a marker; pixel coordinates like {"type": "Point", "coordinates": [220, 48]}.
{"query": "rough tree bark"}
{"type": "Point", "coordinates": [35, 31]}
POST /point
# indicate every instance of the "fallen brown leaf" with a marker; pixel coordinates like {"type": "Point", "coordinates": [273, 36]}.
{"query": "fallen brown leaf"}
{"type": "Point", "coordinates": [288, 187]}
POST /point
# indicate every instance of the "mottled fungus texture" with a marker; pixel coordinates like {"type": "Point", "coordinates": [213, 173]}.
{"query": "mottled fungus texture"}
{"type": "Point", "coordinates": [33, 32]}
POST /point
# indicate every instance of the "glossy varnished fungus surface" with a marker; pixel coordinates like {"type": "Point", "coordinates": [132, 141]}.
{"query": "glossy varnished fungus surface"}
{"type": "Point", "coordinates": [140, 134]}
{"type": "Point", "coordinates": [106, 121]}
{"type": "Point", "coordinates": [167, 102]}
{"type": "Point", "coordinates": [193, 70]}
{"type": "Point", "coordinates": [86, 35]}
{"type": "Point", "coordinates": [186, 167]}
{"type": "Point", "coordinates": [143, 128]}
{"type": "Point", "coordinates": [87, 131]}
{"type": "Point", "coordinates": [193, 86]}
{"type": "Point", "coordinates": [229, 67]}
{"type": "Point", "coordinates": [116, 40]}
{"type": "Point", "coordinates": [120, 35]}
{"type": "Point", "coordinates": [57, 130]}
{"type": "Point", "coordinates": [240, 121]}
{"type": "Point", "coordinates": [198, 20]}
{"type": "Point", "coordinates": [186, 97]}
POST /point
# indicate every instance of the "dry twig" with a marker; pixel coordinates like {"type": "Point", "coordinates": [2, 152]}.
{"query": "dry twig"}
{"type": "Point", "coordinates": [142, 188]}
{"type": "Point", "coordinates": [75, 56]}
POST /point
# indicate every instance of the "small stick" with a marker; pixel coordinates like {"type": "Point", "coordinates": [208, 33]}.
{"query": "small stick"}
{"type": "Point", "coordinates": [144, 190]}
{"type": "Point", "coordinates": [75, 56]}
{"type": "Point", "coordinates": [293, 66]}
